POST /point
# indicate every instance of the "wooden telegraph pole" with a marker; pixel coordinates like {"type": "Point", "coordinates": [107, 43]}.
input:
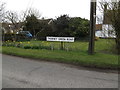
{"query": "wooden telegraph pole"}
{"type": "Point", "coordinates": [92, 27]}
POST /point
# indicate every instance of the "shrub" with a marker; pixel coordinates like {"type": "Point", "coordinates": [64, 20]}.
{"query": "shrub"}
{"type": "Point", "coordinates": [96, 38]}
{"type": "Point", "coordinates": [27, 47]}
{"type": "Point", "coordinates": [44, 47]}
{"type": "Point", "coordinates": [35, 47]}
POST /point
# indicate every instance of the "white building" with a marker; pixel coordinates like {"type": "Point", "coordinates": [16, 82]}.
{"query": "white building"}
{"type": "Point", "coordinates": [106, 29]}
{"type": "Point", "coordinates": [106, 32]}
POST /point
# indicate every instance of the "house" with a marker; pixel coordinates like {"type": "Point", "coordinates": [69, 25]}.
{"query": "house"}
{"type": "Point", "coordinates": [46, 21]}
{"type": "Point", "coordinates": [105, 30]}
{"type": "Point", "coordinates": [11, 28]}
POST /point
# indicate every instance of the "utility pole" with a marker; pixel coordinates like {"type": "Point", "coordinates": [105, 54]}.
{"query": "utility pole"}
{"type": "Point", "coordinates": [1, 31]}
{"type": "Point", "coordinates": [92, 27]}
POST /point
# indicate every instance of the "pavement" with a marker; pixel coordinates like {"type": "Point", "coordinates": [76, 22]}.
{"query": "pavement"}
{"type": "Point", "coordinates": [20, 72]}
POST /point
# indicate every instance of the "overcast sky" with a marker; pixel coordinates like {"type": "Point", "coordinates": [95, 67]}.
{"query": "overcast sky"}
{"type": "Point", "coordinates": [52, 8]}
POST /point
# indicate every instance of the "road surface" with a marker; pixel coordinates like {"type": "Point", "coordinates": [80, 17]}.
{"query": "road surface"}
{"type": "Point", "coordinates": [24, 73]}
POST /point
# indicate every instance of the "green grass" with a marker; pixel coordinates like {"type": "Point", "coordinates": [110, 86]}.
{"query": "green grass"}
{"type": "Point", "coordinates": [76, 53]}
{"type": "Point", "coordinates": [102, 45]}
{"type": "Point", "coordinates": [99, 60]}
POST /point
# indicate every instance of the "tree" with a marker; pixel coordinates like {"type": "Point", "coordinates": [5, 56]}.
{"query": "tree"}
{"type": "Point", "coordinates": [45, 26]}
{"type": "Point", "coordinates": [31, 21]}
{"type": "Point", "coordinates": [112, 16]}
{"type": "Point", "coordinates": [79, 27]}
{"type": "Point", "coordinates": [12, 17]}
{"type": "Point", "coordinates": [32, 24]}
{"type": "Point", "coordinates": [29, 12]}
{"type": "Point", "coordinates": [61, 25]}
{"type": "Point", "coordinates": [2, 11]}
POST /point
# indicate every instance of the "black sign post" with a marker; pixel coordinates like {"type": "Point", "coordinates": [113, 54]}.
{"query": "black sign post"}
{"type": "Point", "coordinates": [62, 46]}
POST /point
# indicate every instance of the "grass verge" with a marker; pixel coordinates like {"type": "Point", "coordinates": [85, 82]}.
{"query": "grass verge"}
{"type": "Point", "coordinates": [99, 60]}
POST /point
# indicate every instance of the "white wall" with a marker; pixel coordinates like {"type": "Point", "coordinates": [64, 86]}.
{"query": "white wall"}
{"type": "Point", "coordinates": [107, 31]}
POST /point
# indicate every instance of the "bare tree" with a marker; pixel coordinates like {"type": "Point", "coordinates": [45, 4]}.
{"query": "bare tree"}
{"type": "Point", "coordinates": [14, 26]}
{"type": "Point", "coordinates": [31, 16]}
{"type": "Point", "coordinates": [34, 11]}
{"type": "Point", "coordinates": [12, 17]}
{"type": "Point", "coordinates": [111, 16]}
{"type": "Point", "coordinates": [29, 12]}
{"type": "Point", "coordinates": [2, 7]}
{"type": "Point", "coordinates": [2, 10]}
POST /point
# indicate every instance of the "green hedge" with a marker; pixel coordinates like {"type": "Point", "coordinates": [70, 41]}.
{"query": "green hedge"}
{"type": "Point", "coordinates": [12, 37]}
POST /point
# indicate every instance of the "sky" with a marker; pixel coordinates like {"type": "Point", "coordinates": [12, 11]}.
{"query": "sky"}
{"type": "Point", "coordinates": [52, 8]}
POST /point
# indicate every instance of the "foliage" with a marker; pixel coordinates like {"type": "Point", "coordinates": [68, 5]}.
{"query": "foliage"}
{"type": "Point", "coordinates": [37, 47]}
{"type": "Point", "coordinates": [112, 13]}
{"type": "Point", "coordinates": [99, 60]}
{"type": "Point", "coordinates": [32, 24]}
{"type": "Point", "coordinates": [46, 29]}
{"type": "Point", "coordinates": [15, 37]}
{"type": "Point", "coordinates": [102, 45]}
{"type": "Point", "coordinates": [27, 47]}
{"type": "Point", "coordinates": [75, 53]}
{"type": "Point", "coordinates": [68, 26]}
{"type": "Point", "coordinates": [61, 25]}
{"type": "Point", "coordinates": [116, 24]}
{"type": "Point", "coordinates": [79, 27]}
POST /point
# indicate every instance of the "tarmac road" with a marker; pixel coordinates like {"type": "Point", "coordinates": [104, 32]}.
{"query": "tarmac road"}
{"type": "Point", "coordinates": [25, 73]}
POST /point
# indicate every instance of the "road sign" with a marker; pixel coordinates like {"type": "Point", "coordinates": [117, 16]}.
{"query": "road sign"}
{"type": "Point", "coordinates": [61, 39]}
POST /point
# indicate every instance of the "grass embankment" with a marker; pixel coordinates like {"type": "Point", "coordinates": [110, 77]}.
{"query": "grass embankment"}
{"type": "Point", "coordinates": [99, 60]}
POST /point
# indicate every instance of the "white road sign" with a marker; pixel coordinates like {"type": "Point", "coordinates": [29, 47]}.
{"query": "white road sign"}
{"type": "Point", "coordinates": [61, 39]}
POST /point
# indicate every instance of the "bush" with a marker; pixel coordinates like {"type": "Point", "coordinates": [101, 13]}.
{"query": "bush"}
{"type": "Point", "coordinates": [44, 47]}
{"type": "Point", "coordinates": [27, 47]}
{"type": "Point", "coordinates": [15, 37]}
{"type": "Point", "coordinates": [96, 38]}
{"type": "Point", "coordinates": [35, 47]}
